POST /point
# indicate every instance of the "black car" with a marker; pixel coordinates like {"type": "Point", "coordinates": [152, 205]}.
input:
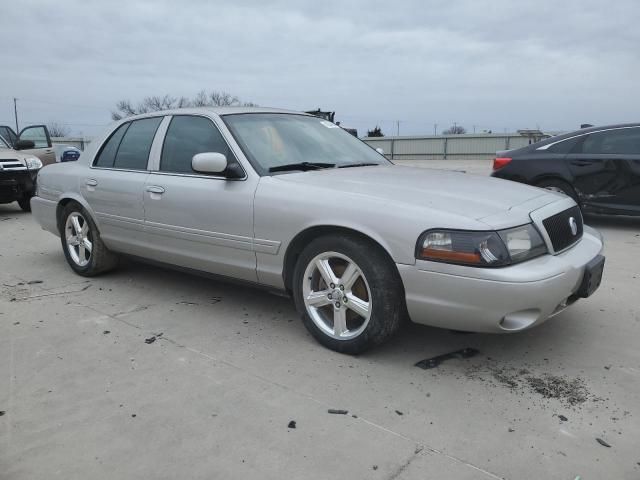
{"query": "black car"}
{"type": "Point", "coordinates": [599, 167]}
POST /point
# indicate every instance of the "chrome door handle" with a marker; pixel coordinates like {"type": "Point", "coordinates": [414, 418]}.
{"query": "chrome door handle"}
{"type": "Point", "coordinates": [155, 189]}
{"type": "Point", "coordinates": [91, 182]}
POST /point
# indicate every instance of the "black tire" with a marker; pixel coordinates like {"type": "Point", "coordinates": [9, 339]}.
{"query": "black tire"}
{"type": "Point", "coordinates": [100, 259]}
{"type": "Point", "coordinates": [559, 185]}
{"type": "Point", "coordinates": [25, 204]}
{"type": "Point", "coordinates": [386, 299]}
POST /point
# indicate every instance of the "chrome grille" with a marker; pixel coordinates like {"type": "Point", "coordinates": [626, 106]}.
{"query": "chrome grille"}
{"type": "Point", "coordinates": [560, 230]}
{"type": "Point", "coordinates": [11, 165]}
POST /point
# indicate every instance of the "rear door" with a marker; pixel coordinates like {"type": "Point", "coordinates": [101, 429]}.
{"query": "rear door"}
{"type": "Point", "coordinates": [39, 135]}
{"type": "Point", "coordinates": [114, 184]}
{"type": "Point", "coordinates": [197, 220]}
{"type": "Point", "coordinates": [606, 169]}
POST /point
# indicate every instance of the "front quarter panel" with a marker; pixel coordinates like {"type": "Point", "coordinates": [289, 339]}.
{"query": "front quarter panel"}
{"type": "Point", "coordinates": [284, 209]}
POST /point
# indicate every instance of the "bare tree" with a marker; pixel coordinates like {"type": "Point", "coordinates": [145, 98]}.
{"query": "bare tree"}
{"type": "Point", "coordinates": [455, 130]}
{"type": "Point", "coordinates": [376, 132]}
{"type": "Point", "coordinates": [58, 129]}
{"type": "Point", "coordinates": [124, 108]}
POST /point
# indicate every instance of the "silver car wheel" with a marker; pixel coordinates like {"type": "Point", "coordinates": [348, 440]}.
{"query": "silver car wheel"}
{"type": "Point", "coordinates": [337, 296]}
{"type": "Point", "coordinates": [78, 239]}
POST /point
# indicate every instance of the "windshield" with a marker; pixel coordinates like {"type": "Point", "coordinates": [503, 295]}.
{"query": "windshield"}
{"type": "Point", "coordinates": [272, 140]}
{"type": "Point", "coordinates": [3, 143]}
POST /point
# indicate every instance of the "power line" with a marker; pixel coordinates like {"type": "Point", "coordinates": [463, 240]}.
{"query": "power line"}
{"type": "Point", "coordinates": [64, 104]}
{"type": "Point", "coordinates": [32, 122]}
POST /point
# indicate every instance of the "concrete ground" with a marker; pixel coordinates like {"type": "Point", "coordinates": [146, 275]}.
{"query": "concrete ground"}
{"type": "Point", "coordinates": [84, 397]}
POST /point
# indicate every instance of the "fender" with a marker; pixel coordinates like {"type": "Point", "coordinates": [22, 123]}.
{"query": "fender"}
{"type": "Point", "coordinates": [66, 197]}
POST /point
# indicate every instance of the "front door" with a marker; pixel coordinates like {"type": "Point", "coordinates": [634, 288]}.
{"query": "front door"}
{"type": "Point", "coordinates": [195, 220]}
{"type": "Point", "coordinates": [114, 184]}
{"type": "Point", "coordinates": [39, 135]}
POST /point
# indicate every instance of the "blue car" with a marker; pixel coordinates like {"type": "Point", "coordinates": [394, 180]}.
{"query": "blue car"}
{"type": "Point", "coordinates": [70, 155]}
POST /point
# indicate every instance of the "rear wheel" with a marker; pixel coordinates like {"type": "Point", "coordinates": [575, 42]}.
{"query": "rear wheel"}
{"type": "Point", "coordinates": [348, 292]}
{"type": "Point", "coordinates": [83, 248]}
{"type": "Point", "coordinates": [558, 186]}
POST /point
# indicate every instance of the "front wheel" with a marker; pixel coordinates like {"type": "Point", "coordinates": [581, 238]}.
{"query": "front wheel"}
{"type": "Point", "coordinates": [83, 248]}
{"type": "Point", "coordinates": [348, 292]}
{"type": "Point", "coordinates": [559, 186]}
{"type": "Point", "coordinates": [25, 204]}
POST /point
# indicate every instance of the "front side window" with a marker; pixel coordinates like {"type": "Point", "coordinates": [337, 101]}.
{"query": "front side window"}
{"type": "Point", "coordinates": [274, 140]}
{"type": "Point", "coordinates": [133, 152]}
{"type": "Point", "coordinates": [618, 141]}
{"type": "Point", "coordinates": [9, 135]}
{"type": "Point", "coordinates": [187, 136]}
{"type": "Point", "coordinates": [37, 134]}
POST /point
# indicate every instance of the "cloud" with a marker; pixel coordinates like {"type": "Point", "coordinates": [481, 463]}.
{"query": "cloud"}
{"type": "Point", "coordinates": [499, 64]}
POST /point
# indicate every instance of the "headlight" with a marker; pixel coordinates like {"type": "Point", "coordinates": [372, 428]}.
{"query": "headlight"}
{"type": "Point", "coordinates": [523, 243]}
{"type": "Point", "coordinates": [33, 163]}
{"type": "Point", "coordinates": [481, 249]}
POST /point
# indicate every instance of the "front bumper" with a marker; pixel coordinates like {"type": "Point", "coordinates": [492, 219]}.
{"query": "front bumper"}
{"type": "Point", "coordinates": [16, 185]}
{"type": "Point", "coordinates": [501, 299]}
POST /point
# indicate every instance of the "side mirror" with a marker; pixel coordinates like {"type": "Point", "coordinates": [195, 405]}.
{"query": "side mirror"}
{"type": "Point", "coordinates": [24, 145]}
{"type": "Point", "coordinates": [209, 162]}
{"type": "Point", "coordinates": [380, 151]}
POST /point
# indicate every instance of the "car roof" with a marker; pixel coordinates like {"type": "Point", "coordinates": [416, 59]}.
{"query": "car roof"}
{"type": "Point", "coordinates": [216, 110]}
{"type": "Point", "coordinates": [584, 131]}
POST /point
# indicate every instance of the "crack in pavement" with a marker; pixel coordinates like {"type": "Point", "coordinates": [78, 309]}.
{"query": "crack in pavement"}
{"type": "Point", "coordinates": [52, 294]}
{"type": "Point", "coordinates": [404, 466]}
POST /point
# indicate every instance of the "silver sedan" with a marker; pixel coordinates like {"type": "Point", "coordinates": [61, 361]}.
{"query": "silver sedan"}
{"type": "Point", "coordinates": [292, 202]}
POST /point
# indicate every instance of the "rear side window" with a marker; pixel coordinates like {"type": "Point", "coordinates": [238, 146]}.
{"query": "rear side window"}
{"type": "Point", "coordinates": [186, 136]}
{"type": "Point", "coordinates": [565, 146]}
{"type": "Point", "coordinates": [133, 153]}
{"type": "Point", "coordinates": [107, 155]}
{"type": "Point", "coordinates": [619, 141]}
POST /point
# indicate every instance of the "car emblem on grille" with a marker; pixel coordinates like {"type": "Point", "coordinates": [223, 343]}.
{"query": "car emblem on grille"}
{"type": "Point", "coordinates": [574, 226]}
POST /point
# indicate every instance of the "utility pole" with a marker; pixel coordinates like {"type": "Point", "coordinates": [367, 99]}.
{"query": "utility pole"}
{"type": "Point", "coordinates": [15, 112]}
{"type": "Point", "coordinates": [398, 128]}
{"type": "Point", "coordinates": [435, 129]}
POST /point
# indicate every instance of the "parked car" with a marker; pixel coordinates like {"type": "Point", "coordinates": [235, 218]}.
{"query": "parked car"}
{"type": "Point", "coordinates": [70, 154]}
{"type": "Point", "coordinates": [32, 140]}
{"type": "Point", "coordinates": [599, 167]}
{"type": "Point", "coordinates": [18, 171]}
{"type": "Point", "coordinates": [293, 202]}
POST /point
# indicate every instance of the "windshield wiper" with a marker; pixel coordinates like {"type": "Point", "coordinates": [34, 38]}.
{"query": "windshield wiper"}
{"type": "Point", "coordinates": [364, 164]}
{"type": "Point", "coordinates": [304, 166]}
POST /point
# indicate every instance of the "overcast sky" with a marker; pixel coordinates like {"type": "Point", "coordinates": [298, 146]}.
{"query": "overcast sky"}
{"type": "Point", "coordinates": [496, 65]}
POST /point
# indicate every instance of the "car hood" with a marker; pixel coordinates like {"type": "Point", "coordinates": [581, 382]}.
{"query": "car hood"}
{"type": "Point", "coordinates": [10, 154]}
{"type": "Point", "coordinates": [472, 196]}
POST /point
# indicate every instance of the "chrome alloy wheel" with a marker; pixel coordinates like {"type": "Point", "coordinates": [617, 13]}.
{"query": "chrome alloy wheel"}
{"type": "Point", "coordinates": [337, 296]}
{"type": "Point", "coordinates": [78, 239]}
